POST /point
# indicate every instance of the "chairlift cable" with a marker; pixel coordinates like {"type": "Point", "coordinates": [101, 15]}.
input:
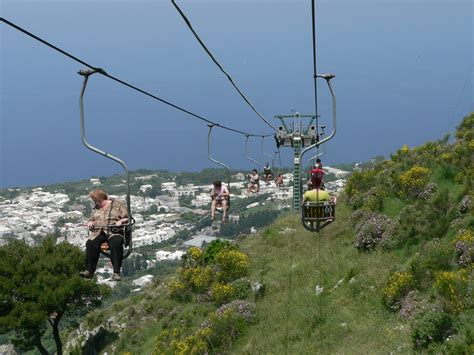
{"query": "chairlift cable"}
{"type": "Point", "coordinates": [120, 81]}
{"type": "Point", "coordinates": [188, 23]}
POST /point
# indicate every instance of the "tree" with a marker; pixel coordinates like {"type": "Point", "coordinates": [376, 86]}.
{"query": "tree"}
{"type": "Point", "coordinates": [38, 286]}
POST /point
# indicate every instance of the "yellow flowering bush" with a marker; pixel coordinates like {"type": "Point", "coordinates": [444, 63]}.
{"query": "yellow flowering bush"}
{"type": "Point", "coordinates": [215, 333]}
{"type": "Point", "coordinates": [231, 264]}
{"type": "Point", "coordinates": [405, 149]}
{"type": "Point", "coordinates": [454, 287]}
{"type": "Point", "coordinates": [464, 236]}
{"type": "Point", "coordinates": [198, 277]}
{"type": "Point", "coordinates": [193, 257]}
{"type": "Point", "coordinates": [413, 180]}
{"type": "Point", "coordinates": [195, 253]}
{"type": "Point", "coordinates": [397, 287]}
{"type": "Point", "coordinates": [446, 157]}
{"type": "Point", "coordinates": [221, 292]}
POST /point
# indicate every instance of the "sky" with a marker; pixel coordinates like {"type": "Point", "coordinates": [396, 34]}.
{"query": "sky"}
{"type": "Point", "coordinates": [404, 75]}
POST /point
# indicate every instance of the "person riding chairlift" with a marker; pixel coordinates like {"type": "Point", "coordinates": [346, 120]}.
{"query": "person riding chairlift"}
{"type": "Point", "coordinates": [316, 194]}
{"type": "Point", "coordinates": [316, 173]}
{"type": "Point", "coordinates": [219, 196]}
{"type": "Point", "coordinates": [279, 180]}
{"type": "Point", "coordinates": [254, 182]}
{"type": "Point", "coordinates": [267, 173]}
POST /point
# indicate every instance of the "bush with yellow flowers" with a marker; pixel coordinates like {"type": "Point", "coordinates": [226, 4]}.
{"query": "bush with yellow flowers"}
{"type": "Point", "coordinates": [215, 334]}
{"type": "Point", "coordinates": [456, 288]}
{"type": "Point", "coordinates": [414, 180]}
{"type": "Point", "coordinates": [193, 257]}
{"type": "Point", "coordinates": [198, 277]}
{"type": "Point", "coordinates": [398, 285]}
{"type": "Point", "coordinates": [231, 264]}
{"type": "Point", "coordinates": [221, 292]}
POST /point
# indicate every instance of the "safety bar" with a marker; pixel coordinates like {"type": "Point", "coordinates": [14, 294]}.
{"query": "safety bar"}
{"type": "Point", "coordinates": [328, 78]}
{"type": "Point", "coordinates": [246, 154]}
{"type": "Point", "coordinates": [268, 155]}
{"type": "Point", "coordinates": [214, 160]}
{"type": "Point", "coordinates": [86, 73]}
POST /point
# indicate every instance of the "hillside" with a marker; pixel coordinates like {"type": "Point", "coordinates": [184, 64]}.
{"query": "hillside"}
{"type": "Point", "coordinates": [396, 268]}
{"type": "Point", "coordinates": [393, 274]}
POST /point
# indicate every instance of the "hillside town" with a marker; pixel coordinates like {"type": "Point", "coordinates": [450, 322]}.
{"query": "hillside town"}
{"type": "Point", "coordinates": [35, 213]}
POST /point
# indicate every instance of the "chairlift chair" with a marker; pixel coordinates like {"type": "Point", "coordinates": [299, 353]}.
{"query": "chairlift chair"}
{"type": "Point", "coordinates": [125, 231]}
{"type": "Point", "coordinates": [315, 215]}
{"type": "Point", "coordinates": [219, 207]}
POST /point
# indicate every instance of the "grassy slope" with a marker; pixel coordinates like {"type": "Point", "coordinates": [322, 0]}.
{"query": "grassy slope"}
{"type": "Point", "coordinates": [354, 319]}
{"type": "Point", "coordinates": [348, 319]}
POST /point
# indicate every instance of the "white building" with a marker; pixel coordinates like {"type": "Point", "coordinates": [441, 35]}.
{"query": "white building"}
{"type": "Point", "coordinates": [239, 176]}
{"type": "Point", "coordinates": [185, 191]}
{"type": "Point", "coordinates": [142, 281]}
{"type": "Point", "coordinates": [167, 255]}
{"type": "Point", "coordinates": [168, 185]}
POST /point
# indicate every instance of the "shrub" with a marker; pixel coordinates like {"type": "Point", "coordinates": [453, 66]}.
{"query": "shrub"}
{"type": "Point", "coordinates": [357, 184]}
{"type": "Point", "coordinates": [376, 231]}
{"type": "Point", "coordinates": [431, 327]}
{"type": "Point", "coordinates": [373, 199]}
{"type": "Point", "coordinates": [215, 247]}
{"type": "Point", "coordinates": [194, 257]}
{"type": "Point", "coordinates": [198, 277]}
{"type": "Point", "coordinates": [243, 288]}
{"type": "Point", "coordinates": [225, 324]}
{"type": "Point", "coordinates": [455, 287]}
{"type": "Point", "coordinates": [413, 180]}
{"type": "Point", "coordinates": [221, 293]}
{"type": "Point", "coordinates": [411, 304]}
{"type": "Point", "coordinates": [437, 255]}
{"type": "Point", "coordinates": [465, 205]}
{"type": "Point", "coordinates": [179, 291]}
{"type": "Point", "coordinates": [428, 191]}
{"type": "Point", "coordinates": [397, 287]}
{"type": "Point", "coordinates": [360, 216]}
{"type": "Point", "coordinates": [231, 264]}
{"type": "Point", "coordinates": [464, 244]}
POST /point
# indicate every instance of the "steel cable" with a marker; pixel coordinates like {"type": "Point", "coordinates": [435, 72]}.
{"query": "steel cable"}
{"type": "Point", "coordinates": [188, 23]}
{"type": "Point", "coordinates": [120, 81]}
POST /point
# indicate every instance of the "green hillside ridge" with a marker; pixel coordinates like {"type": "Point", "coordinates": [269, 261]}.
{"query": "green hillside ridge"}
{"type": "Point", "coordinates": [393, 274]}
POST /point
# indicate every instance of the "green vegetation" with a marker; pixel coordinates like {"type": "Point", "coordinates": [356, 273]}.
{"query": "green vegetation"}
{"type": "Point", "coordinates": [393, 274]}
{"type": "Point", "coordinates": [38, 287]}
{"type": "Point", "coordinates": [246, 222]}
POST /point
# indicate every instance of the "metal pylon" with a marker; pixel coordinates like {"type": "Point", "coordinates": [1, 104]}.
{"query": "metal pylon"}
{"type": "Point", "coordinates": [296, 174]}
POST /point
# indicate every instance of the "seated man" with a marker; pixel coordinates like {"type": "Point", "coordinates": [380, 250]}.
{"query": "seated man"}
{"type": "Point", "coordinates": [106, 213]}
{"type": "Point", "coordinates": [267, 173]}
{"type": "Point", "coordinates": [219, 196]}
{"type": "Point", "coordinates": [254, 182]}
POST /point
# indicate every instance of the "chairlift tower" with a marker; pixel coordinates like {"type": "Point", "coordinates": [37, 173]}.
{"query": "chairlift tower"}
{"type": "Point", "coordinates": [295, 133]}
